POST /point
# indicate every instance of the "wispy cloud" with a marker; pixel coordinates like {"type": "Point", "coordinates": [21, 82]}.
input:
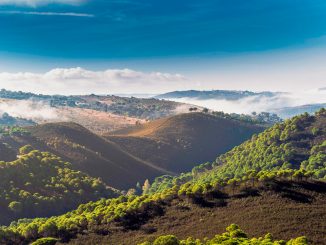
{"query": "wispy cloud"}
{"type": "Point", "coordinates": [71, 14]}
{"type": "Point", "coordinates": [36, 3]}
{"type": "Point", "coordinates": [82, 81]}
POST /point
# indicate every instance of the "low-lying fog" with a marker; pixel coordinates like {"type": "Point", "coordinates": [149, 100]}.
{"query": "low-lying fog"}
{"type": "Point", "coordinates": [259, 103]}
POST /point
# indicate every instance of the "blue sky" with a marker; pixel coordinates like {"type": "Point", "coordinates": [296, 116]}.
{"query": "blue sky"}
{"type": "Point", "coordinates": [206, 41]}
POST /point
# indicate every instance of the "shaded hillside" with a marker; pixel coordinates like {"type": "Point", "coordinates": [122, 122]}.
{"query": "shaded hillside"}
{"type": "Point", "coordinates": [89, 153]}
{"type": "Point", "coordinates": [41, 184]}
{"type": "Point", "coordinates": [180, 142]}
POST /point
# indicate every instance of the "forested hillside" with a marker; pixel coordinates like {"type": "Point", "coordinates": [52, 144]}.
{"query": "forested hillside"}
{"type": "Point", "coordinates": [41, 184]}
{"type": "Point", "coordinates": [281, 185]}
{"type": "Point", "coordinates": [296, 147]}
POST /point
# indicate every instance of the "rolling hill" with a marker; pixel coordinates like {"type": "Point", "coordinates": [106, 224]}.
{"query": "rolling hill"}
{"type": "Point", "coordinates": [180, 142]}
{"type": "Point", "coordinates": [272, 181]}
{"type": "Point", "coordinates": [89, 153]}
{"type": "Point", "coordinates": [40, 184]}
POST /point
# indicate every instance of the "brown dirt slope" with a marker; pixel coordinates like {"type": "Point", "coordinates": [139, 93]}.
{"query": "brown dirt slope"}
{"type": "Point", "coordinates": [284, 209]}
{"type": "Point", "coordinates": [180, 142]}
{"type": "Point", "coordinates": [89, 153]}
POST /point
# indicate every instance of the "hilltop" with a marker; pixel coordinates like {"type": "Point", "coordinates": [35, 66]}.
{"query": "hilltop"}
{"type": "Point", "coordinates": [180, 142]}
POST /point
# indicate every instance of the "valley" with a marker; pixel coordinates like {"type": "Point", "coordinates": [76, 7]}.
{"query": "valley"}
{"type": "Point", "coordinates": [274, 179]}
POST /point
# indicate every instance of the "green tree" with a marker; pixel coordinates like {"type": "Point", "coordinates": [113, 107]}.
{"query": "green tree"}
{"type": "Point", "coordinates": [167, 240]}
{"type": "Point", "coordinates": [25, 149]}
{"type": "Point", "coordinates": [146, 187]}
{"type": "Point", "coordinates": [15, 206]}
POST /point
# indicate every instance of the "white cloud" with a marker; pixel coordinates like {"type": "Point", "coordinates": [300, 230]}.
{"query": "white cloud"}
{"type": "Point", "coordinates": [72, 14]}
{"type": "Point", "coordinates": [36, 3]}
{"type": "Point", "coordinates": [82, 81]}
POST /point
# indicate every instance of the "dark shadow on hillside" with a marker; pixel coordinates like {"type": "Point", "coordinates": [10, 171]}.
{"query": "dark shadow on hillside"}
{"type": "Point", "coordinates": [210, 200]}
{"type": "Point", "coordinates": [316, 186]}
{"type": "Point", "coordinates": [247, 192]}
{"type": "Point", "coordinates": [288, 190]}
{"type": "Point", "coordinates": [135, 219]}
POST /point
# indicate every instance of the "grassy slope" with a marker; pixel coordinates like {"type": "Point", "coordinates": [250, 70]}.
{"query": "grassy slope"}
{"type": "Point", "coordinates": [180, 142]}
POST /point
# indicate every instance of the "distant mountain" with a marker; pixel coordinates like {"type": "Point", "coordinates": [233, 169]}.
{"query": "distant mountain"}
{"type": "Point", "coordinates": [180, 142]}
{"type": "Point", "coordinates": [213, 94]}
{"type": "Point", "coordinates": [288, 112]}
{"type": "Point", "coordinates": [142, 108]}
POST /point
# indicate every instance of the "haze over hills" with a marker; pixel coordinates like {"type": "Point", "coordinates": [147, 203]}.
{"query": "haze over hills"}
{"type": "Point", "coordinates": [288, 112]}
{"type": "Point", "coordinates": [180, 142]}
{"type": "Point", "coordinates": [99, 113]}
{"type": "Point", "coordinates": [272, 181]}
{"type": "Point", "coordinates": [284, 104]}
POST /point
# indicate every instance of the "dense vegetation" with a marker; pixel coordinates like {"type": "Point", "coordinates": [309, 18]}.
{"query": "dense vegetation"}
{"type": "Point", "coordinates": [41, 184]}
{"type": "Point", "coordinates": [233, 235]}
{"type": "Point", "coordinates": [290, 151]}
{"type": "Point", "coordinates": [263, 118]}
